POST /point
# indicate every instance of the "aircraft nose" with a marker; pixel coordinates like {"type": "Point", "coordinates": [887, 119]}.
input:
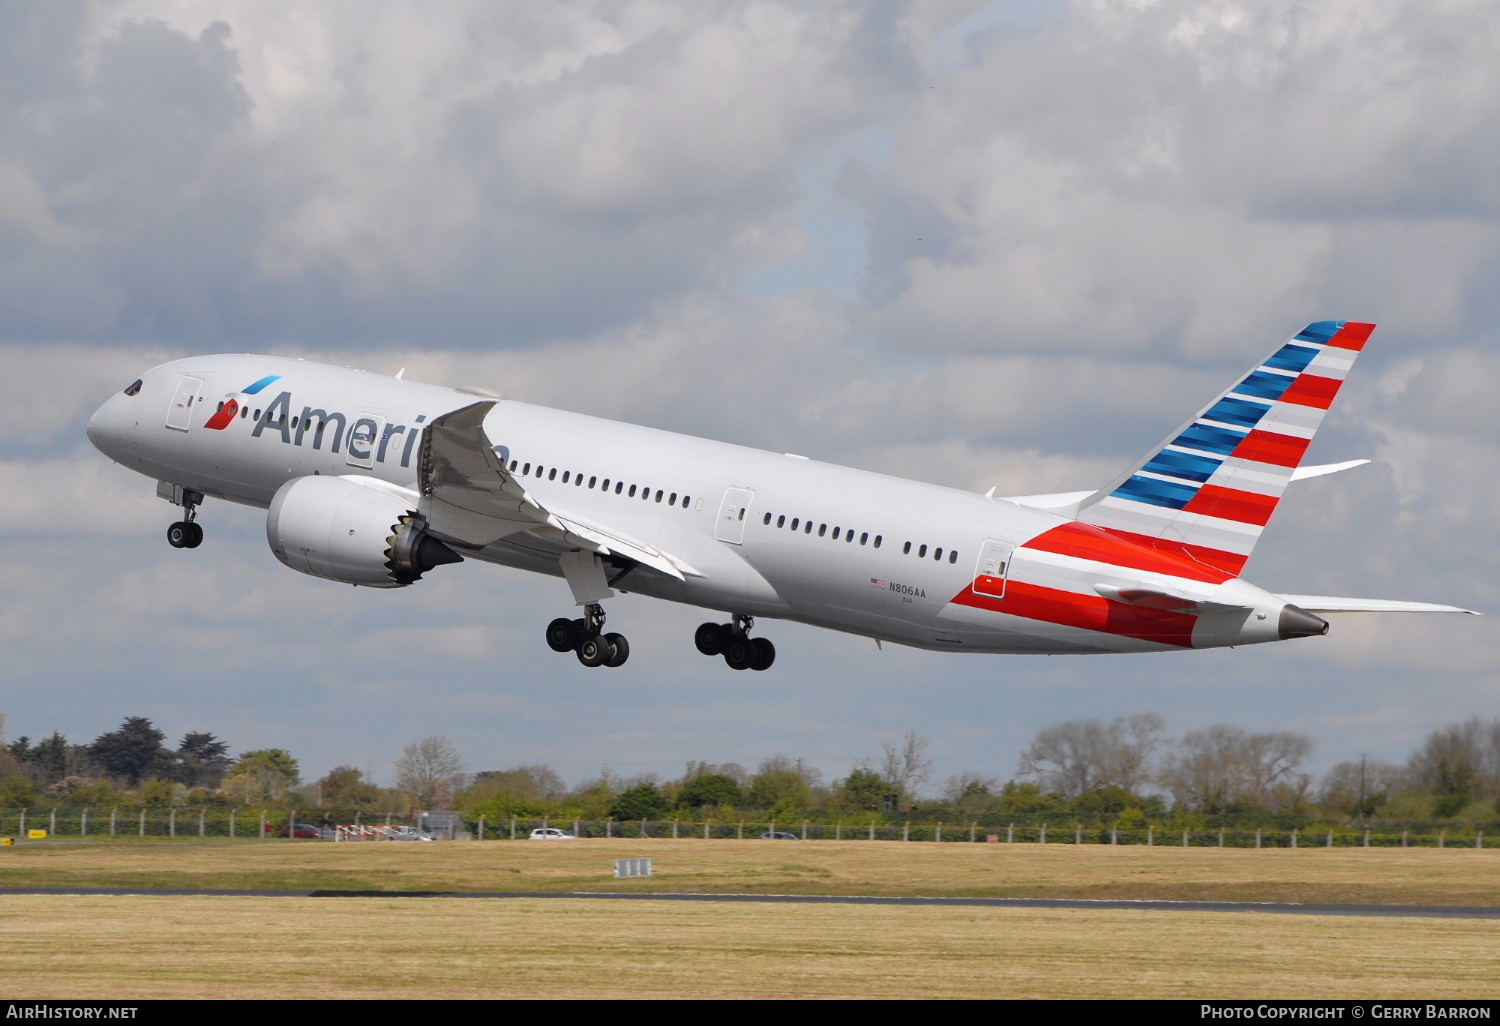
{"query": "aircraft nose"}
{"type": "Point", "coordinates": [108, 427]}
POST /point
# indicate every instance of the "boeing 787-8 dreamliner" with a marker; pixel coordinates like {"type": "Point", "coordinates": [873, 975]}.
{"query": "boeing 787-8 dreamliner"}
{"type": "Point", "coordinates": [374, 481]}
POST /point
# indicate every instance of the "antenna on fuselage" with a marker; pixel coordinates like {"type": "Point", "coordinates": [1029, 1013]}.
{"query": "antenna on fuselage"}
{"type": "Point", "coordinates": [399, 373]}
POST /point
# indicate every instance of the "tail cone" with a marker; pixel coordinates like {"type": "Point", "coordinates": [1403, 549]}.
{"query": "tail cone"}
{"type": "Point", "coordinates": [1299, 623]}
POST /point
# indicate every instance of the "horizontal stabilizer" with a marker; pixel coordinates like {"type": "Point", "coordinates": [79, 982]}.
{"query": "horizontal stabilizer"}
{"type": "Point", "coordinates": [1337, 604]}
{"type": "Point", "coordinates": [1061, 500]}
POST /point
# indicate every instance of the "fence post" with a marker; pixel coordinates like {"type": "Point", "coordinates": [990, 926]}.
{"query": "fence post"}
{"type": "Point", "coordinates": [1330, 838]}
{"type": "Point", "coordinates": [231, 821]}
{"type": "Point", "coordinates": [143, 821]}
{"type": "Point", "coordinates": [906, 831]}
{"type": "Point", "coordinates": [1221, 837]}
{"type": "Point", "coordinates": [1442, 838]}
{"type": "Point", "coordinates": [1077, 833]}
{"type": "Point", "coordinates": [1043, 839]}
{"type": "Point", "coordinates": [1479, 839]}
{"type": "Point", "coordinates": [512, 828]}
{"type": "Point", "coordinates": [202, 822]}
{"type": "Point", "coordinates": [674, 828]}
{"type": "Point", "coordinates": [172, 821]}
{"type": "Point", "coordinates": [1114, 835]}
{"type": "Point", "coordinates": [1184, 838]}
{"type": "Point", "coordinates": [973, 829]}
{"type": "Point", "coordinates": [838, 830]}
{"type": "Point", "coordinates": [1010, 832]}
{"type": "Point", "coordinates": [1150, 834]}
{"type": "Point", "coordinates": [1257, 838]}
{"type": "Point", "coordinates": [575, 829]}
{"type": "Point", "coordinates": [937, 834]}
{"type": "Point", "coordinates": [772, 829]}
{"type": "Point", "coordinates": [481, 826]}
{"type": "Point", "coordinates": [741, 835]}
{"type": "Point", "coordinates": [706, 821]}
{"type": "Point", "coordinates": [1403, 838]}
{"type": "Point", "coordinates": [83, 823]}
{"type": "Point", "coordinates": [872, 830]}
{"type": "Point", "coordinates": [52, 828]}
{"type": "Point", "coordinates": [609, 828]}
{"type": "Point", "coordinates": [112, 811]}
{"type": "Point", "coordinates": [262, 824]}
{"type": "Point", "coordinates": [1294, 837]}
{"type": "Point", "coordinates": [1367, 838]}
{"type": "Point", "coordinates": [22, 828]}
{"type": "Point", "coordinates": [804, 829]}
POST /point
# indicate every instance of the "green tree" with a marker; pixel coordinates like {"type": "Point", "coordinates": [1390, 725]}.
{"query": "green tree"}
{"type": "Point", "coordinates": [202, 760]}
{"type": "Point", "coordinates": [266, 774]}
{"type": "Point", "coordinates": [781, 781]}
{"type": "Point", "coordinates": [863, 789]}
{"type": "Point", "coordinates": [346, 787]}
{"type": "Point", "coordinates": [711, 789]}
{"type": "Point", "coordinates": [134, 752]}
{"type": "Point", "coordinates": [643, 801]}
{"type": "Point", "coordinates": [19, 792]}
{"type": "Point", "coordinates": [1028, 799]}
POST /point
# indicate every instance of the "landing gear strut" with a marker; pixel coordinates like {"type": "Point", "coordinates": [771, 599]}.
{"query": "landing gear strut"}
{"type": "Point", "coordinates": [733, 642]}
{"type": "Point", "coordinates": [587, 639]}
{"type": "Point", "coordinates": [187, 533]}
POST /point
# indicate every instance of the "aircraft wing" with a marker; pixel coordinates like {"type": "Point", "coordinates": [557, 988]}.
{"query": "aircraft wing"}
{"type": "Point", "coordinates": [1336, 604]}
{"type": "Point", "coordinates": [469, 498]}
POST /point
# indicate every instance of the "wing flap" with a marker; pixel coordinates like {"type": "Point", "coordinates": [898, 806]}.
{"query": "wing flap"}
{"type": "Point", "coordinates": [471, 499]}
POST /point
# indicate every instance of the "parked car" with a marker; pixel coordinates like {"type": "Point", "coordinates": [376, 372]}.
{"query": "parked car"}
{"type": "Point", "coordinates": [306, 830]}
{"type": "Point", "coordinates": [550, 834]}
{"type": "Point", "coordinates": [779, 835]}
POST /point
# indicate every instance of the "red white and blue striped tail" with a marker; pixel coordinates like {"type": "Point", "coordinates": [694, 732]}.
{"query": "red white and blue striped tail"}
{"type": "Point", "coordinates": [1209, 490]}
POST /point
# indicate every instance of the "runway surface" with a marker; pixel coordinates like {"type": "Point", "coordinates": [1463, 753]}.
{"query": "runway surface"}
{"type": "Point", "coordinates": [1280, 908]}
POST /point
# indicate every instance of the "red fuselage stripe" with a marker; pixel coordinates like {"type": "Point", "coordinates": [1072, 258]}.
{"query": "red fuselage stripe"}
{"type": "Point", "coordinates": [1089, 612]}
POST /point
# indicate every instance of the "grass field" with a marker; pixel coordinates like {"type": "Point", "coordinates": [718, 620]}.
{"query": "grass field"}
{"type": "Point", "coordinates": [164, 946]}
{"type": "Point", "coordinates": [1419, 876]}
{"type": "Point", "coordinates": [152, 947]}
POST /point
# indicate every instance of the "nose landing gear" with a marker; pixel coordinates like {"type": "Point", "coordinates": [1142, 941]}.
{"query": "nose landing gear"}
{"type": "Point", "coordinates": [733, 642]}
{"type": "Point", "coordinates": [187, 533]}
{"type": "Point", "coordinates": [587, 639]}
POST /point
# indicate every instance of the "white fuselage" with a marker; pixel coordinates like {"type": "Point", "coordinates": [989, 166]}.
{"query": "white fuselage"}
{"type": "Point", "coordinates": [870, 554]}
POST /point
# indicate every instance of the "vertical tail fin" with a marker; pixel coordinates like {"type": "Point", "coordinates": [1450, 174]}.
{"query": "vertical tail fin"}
{"type": "Point", "coordinates": [1207, 491]}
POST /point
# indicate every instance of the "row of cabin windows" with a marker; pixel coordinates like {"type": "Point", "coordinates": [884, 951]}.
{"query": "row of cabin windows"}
{"type": "Point", "coordinates": [937, 553]}
{"type": "Point", "coordinates": [593, 482]}
{"type": "Point", "coordinates": [806, 527]}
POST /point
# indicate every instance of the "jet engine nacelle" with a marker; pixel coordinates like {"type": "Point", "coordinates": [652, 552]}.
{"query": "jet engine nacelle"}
{"type": "Point", "coordinates": [341, 530]}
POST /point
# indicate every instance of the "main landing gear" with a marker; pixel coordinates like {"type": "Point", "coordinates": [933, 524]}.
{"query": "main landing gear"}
{"type": "Point", "coordinates": [187, 533]}
{"type": "Point", "coordinates": [586, 637]}
{"type": "Point", "coordinates": [733, 642]}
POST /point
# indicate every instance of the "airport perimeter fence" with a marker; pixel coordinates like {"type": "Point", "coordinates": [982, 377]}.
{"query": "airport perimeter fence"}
{"type": "Point", "coordinates": [270, 823]}
{"type": "Point", "coordinates": [970, 832]}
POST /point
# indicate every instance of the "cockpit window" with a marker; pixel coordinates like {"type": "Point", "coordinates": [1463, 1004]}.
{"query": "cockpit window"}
{"type": "Point", "coordinates": [135, 387]}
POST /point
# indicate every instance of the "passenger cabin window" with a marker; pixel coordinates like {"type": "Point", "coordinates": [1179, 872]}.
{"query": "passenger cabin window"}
{"type": "Point", "coordinates": [632, 491]}
{"type": "Point", "coordinates": [767, 520]}
{"type": "Point", "coordinates": [921, 551]}
{"type": "Point", "coordinates": [592, 480]}
{"type": "Point", "coordinates": [878, 538]}
{"type": "Point", "coordinates": [795, 522]}
{"type": "Point", "coordinates": [781, 521]}
{"type": "Point", "coordinates": [565, 476]}
{"type": "Point", "coordinates": [864, 537]}
{"type": "Point", "coordinates": [512, 466]}
{"type": "Point", "coordinates": [822, 530]}
{"type": "Point", "coordinates": [906, 549]}
{"type": "Point", "coordinates": [953, 556]}
{"type": "Point", "coordinates": [552, 474]}
{"type": "Point", "coordinates": [526, 470]}
{"type": "Point", "coordinates": [937, 553]}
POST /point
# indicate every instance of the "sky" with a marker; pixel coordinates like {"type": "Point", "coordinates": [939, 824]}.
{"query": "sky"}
{"type": "Point", "coordinates": [1008, 244]}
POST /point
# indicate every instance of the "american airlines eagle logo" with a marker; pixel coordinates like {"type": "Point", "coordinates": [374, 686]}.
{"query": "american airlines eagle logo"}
{"type": "Point", "coordinates": [231, 408]}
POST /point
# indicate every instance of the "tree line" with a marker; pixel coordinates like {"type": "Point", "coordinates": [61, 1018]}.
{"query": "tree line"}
{"type": "Point", "coordinates": [1126, 771]}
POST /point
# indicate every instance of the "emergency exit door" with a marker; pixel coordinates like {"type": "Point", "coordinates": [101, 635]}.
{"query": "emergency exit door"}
{"type": "Point", "coordinates": [993, 569]}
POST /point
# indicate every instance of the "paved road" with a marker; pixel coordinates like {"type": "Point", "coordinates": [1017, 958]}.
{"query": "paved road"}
{"type": "Point", "coordinates": [1281, 908]}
